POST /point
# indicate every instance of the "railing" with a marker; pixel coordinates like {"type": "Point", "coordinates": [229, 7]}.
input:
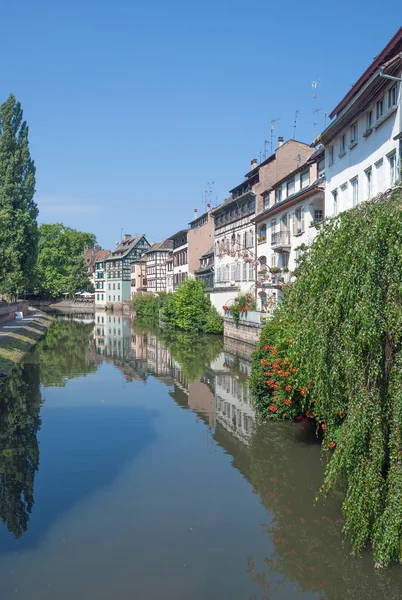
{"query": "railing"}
{"type": "Point", "coordinates": [280, 238]}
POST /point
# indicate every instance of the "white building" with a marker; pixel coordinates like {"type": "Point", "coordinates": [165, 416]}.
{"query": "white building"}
{"type": "Point", "coordinates": [363, 142]}
{"type": "Point", "coordinates": [294, 206]}
{"type": "Point", "coordinates": [118, 271]}
{"type": "Point", "coordinates": [180, 257]}
{"type": "Point", "coordinates": [99, 279]}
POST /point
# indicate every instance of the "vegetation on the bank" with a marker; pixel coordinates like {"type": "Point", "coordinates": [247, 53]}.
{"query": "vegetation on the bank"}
{"type": "Point", "coordinates": [194, 354]}
{"type": "Point", "coordinates": [61, 268]}
{"type": "Point", "coordinates": [190, 309]}
{"type": "Point", "coordinates": [333, 354]}
{"type": "Point", "coordinates": [147, 306]}
{"type": "Point", "coordinates": [18, 211]}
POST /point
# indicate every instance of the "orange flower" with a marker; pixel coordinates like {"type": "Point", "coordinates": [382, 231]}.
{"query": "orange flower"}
{"type": "Point", "coordinates": [323, 426]}
{"type": "Point", "coordinates": [331, 445]}
{"type": "Point", "coordinates": [293, 369]}
{"type": "Point", "coordinates": [288, 387]}
{"type": "Point", "coordinates": [284, 415]}
{"type": "Point", "coordinates": [273, 408]}
{"type": "Point", "coordinates": [340, 412]}
{"type": "Point", "coordinates": [288, 402]}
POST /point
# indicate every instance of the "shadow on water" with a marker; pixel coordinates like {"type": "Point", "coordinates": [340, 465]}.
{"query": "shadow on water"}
{"type": "Point", "coordinates": [306, 553]}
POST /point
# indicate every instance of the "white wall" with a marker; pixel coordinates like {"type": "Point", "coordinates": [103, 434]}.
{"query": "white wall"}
{"type": "Point", "coordinates": [222, 298]}
{"type": "Point", "coordinates": [378, 146]}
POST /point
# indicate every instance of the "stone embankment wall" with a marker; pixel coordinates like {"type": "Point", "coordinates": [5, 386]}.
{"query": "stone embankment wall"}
{"type": "Point", "coordinates": [7, 311]}
{"type": "Point", "coordinates": [247, 330]}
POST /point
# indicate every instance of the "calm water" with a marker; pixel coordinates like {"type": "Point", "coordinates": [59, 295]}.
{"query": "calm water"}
{"type": "Point", "coordinates": [131, 467]}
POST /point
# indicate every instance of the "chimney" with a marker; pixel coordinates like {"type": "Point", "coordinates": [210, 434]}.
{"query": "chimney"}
{"type": "Point", "coordinates": [127, 236]}
{"type": "Point", "coordinates": [208, 207]}
{"type": "Point", "coordinates": [280, 141]}
{"type": "Point", "coordinates": [195, 214]}
{"type": "Point", "coordinates": [254, 164]}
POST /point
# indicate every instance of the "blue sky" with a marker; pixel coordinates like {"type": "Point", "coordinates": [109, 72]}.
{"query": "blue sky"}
{"type": "Point", "coordinates": [134, 106]}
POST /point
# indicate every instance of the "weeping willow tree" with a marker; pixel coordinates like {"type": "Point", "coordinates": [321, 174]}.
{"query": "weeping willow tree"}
{"type": "Point", "coordinates": [333, 353]}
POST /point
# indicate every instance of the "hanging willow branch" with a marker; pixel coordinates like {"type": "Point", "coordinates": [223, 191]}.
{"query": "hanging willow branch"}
{"type": "Point", "coordinates": [340, 328]}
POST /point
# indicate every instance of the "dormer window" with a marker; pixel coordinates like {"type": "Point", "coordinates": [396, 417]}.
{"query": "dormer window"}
{"type": "Point", "coordinates": [290, 187]}
{"type": "Point", "coordinates": [342, 145]}
{"type": "Point", "coordinates": [380, 108]}
{"type": "Point", "coordinates": [393, 96]}
{"type": "Point", "coordinates": [305, 179]}
{"type": "Point", "coordinates": [278, 194]}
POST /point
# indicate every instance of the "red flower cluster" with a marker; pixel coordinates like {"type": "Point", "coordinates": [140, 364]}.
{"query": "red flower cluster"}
{"type": "Point", "coordinates": [225, 307]}
{"type": "Point", "coordinates": [331, 445]}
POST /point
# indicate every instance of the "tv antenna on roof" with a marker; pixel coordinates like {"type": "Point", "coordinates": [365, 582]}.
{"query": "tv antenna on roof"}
{"type": "Point", "coordinates": [272, 131]}
{"type": "Point", "coordinates": [314, 85]}
{"type": "Point", "coordinates": [294, 124]}
{"type": "Point", "coordinates": [265, 148]}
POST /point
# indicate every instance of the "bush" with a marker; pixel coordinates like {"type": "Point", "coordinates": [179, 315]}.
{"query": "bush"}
{"type": "Point", "coordinates": [190, 309]}
{"type": "Point", "coordinates": [340, 328]}
{"type": "Point", "coordinates": [147, 306]}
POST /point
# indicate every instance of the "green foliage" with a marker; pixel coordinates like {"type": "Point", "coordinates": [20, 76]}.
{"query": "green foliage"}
{"type": "Point", "coordinates": [18, 211]}
{"type": "Point", "coordinates": [242, 303]}
{"type": "Point", "coordinates": [78, 280]}
{"type": "Point", "coordinates": [59, 248]}
{"type": "Point", "coordinates": [190, 309]}
{"type": "Point", "coordinates": [340, 327]}
{"type": "Point", "coordinates": [147, 306]}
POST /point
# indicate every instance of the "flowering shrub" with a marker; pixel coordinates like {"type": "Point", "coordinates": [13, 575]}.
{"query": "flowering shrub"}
{"type": "Point", "coordinates": [340, 328]}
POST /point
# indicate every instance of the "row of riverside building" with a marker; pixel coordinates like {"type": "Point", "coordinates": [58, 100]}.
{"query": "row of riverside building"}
{"type": "Point", "coordinates": [250, 243]}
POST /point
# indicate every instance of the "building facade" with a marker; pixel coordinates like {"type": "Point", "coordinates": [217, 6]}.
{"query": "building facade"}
{"type": "Point", "coordinates": [156, 266]}
{"type": "Point", "coordinates": [294, 209]}
{"type": "Point", "coordinates": [138, 281]}
{"type": "Point", "coordinates": [205, 271]}
{"type": "Point", "coordinates": [363, 142]}
{"type": "Point", "coordinates": [99, 280]}
{"type": "Point", "coordinates": [235, 240]}
{"type": "Point", "coordinates": [118, 271]}
{"type": "Point", "coordinates": [200, 238]}
{"type": "Point", "coordinates": [180, 257]}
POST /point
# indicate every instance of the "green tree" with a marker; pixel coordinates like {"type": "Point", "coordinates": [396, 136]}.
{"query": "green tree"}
{"type": "Point", "coordinates": [78, 280]}
{"type": "Point", "coordinates": [58, 250]}
{"type": "Point", "coordinates": [18, 211]}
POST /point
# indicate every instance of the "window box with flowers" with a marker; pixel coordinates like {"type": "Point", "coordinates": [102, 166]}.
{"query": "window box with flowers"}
{"type": "Point", "coordinates": [261, 239]}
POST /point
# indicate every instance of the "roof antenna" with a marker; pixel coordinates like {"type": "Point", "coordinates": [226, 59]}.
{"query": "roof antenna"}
{"type": "Point", "coordinates": [294, 124]}
{"type": "Point", "coordinates": [265, 148]}
{"type": "Point", "coordinates": [314, 85]}
{"type": "Point", "coordinates": [272, 132]}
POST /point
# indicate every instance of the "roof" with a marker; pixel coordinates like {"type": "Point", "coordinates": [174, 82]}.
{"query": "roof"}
{"type": "Point", "coordinates": [278, 206]}
{"type": "Point", "coordinates": [178, 234]}
{"type": "Point", "coordinates": [125, 247]}
{"type": "Point", "coordinates": [208, 253]}
{"type": "Point", "coordinates": [385, 54]}
{"type": "Point", "coordinates": [101, 255]}
{"type": "Point", "coordinates": [164, 246]}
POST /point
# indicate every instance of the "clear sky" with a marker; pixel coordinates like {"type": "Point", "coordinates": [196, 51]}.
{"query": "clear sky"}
{"type": "Point", "coordinates": [134, 106]}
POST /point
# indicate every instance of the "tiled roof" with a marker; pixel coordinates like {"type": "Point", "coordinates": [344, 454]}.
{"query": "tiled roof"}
{"type": "Point", "coordinates": [124, 247]}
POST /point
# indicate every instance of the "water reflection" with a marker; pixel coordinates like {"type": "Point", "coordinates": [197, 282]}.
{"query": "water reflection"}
{"type": "Point", "coordinates": [20, 401]}
{"type": "Point", "coordinates": [302, 553]}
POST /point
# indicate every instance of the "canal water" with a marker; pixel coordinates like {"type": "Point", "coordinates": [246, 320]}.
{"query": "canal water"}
{"type": "Point", "coordinates": [132, 467]}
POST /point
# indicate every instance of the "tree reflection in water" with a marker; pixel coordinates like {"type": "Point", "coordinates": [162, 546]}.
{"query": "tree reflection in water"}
{"type": "Point", "coordinates": [20, 401]}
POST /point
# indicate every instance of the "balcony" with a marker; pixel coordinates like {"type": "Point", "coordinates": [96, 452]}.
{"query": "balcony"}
{"type": "Point", "coordinates": [280, 241]}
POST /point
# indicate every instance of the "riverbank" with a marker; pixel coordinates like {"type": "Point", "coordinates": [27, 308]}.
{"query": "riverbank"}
{"type": "Point", "coordinates": [18, 336]}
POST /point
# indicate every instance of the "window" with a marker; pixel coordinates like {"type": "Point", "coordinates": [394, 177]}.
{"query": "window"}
{"type": "Point", "coordinates": [118, 298]}
{"type": "Point", "coordinates": [331, 155]}
{"type": "Point", "coordinates": [109, 297]}
{"type": "Point", "coordinates": [118, 286]}
{"type": "Point", "coordinates": [392, 169]}
{"type": "Point", "coordinates": [298, 221]}
{"type": "Point", "coordinates": [335, 202]}
{"type": "Point", "coordinates": [233, 272]}
{"type": "Point", "coordinates": [238, 240]}
{"type": "Point", "coordinates": [353, 133]}
{"type": "Point", "coordinates": [318, 215]}
{"type": "Point", "coordinates": [244, 271]}
{"type": "Point", "coordinates": [114, 286]}
{"type": "Point", "coordinates": [251, 238]}
{"type": "Point", "coordinates": [273, 259]}
{"type": "Point", "coordinates": [369, 119]}
{"type": "Point", "coordinates": [290, 187]}
{"type": "Point", "coordinates": [262, 232]}
{"type": "Point", "coordinates": [305, 179]}
{"type": "Point", "coordinates": [393, 96]}
{"type": "Point", "coordinates": [273, 226]}
{"type": "Point", "coordinates": [97, 297]}
{"type": "Point", "coordinates": [250, 271]}
{"type": "Point", "coordinates": [266, 201]}
{"type": "Point", "coordinates": [278, 194]}
{"type": "Point", "coordinates": [321, 168]}
{"type": "Point", "coordinates": [369, 182]}
{"type": "Point", "coordinates": [238, 274]}
{"type": "Point", "coordinates": [342, 145]}
{"type": "Point", "coordinates": [355, 191]}
{"type": "Point", "coordinates": [110, 286]}
{"type": "Point", "coordinates": [380, 108]}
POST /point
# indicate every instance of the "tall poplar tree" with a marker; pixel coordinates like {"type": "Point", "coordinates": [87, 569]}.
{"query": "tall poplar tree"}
{"type": "Point", "coordinates": [18, 211]}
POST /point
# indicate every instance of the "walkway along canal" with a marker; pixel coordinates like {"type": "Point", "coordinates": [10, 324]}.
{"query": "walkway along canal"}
{"type": "Point", "coordinates": [131, 466]}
